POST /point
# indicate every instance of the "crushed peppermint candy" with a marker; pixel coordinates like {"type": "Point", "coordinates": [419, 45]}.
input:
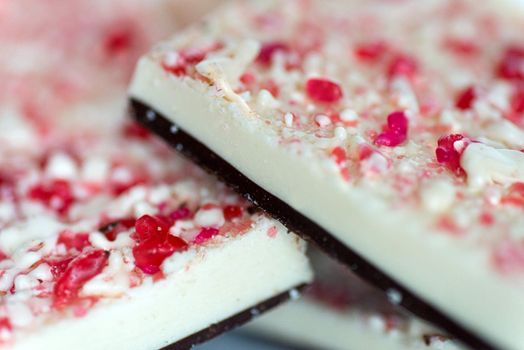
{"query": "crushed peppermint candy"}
{"type": "Point", "coordinates": [391, 109]}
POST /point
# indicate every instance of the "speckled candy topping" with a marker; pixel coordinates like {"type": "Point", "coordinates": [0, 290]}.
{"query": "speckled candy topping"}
{"type": "Point", "coordinates": [104, 234]}
{"type": "Point", "coordinates": [396, 127]}
{"type": "Point", "coordinates": [85, 222]}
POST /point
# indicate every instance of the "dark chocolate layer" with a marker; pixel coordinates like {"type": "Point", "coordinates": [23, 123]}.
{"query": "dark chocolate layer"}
{"type": "Point", "coordinates": [296, 222]}
{"type": "Point", "coordinates": [230, 323]}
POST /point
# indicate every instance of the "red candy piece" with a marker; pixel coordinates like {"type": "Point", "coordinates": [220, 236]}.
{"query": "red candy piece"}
{"type": "Point", "coordinates": [178, 68]}
{"type": "Point", "coordinates": [196, 55]}
{"type": "Point", "coordinates": [508, 257]}
{"type": "Point", "coordinates": [112, 229]}
{"type": "Point", "coordinates": [5, 325]}
{"type": "Point", "coordinates": [340, 156]}
{"type": "Point", "coordinates": [148, 226]}
{"type": "Point", "coordinates": [119, 40]}
{"type": "Point", "coordinates": [461, 46]}
{"type": "Point", "coordinates": [56, 195]}
{"type": "Point", "coordinates": [6, 187]}
{"type": "Point", "coordinates": [323, 90]}
{"type": "Point", "coordinates": [72, 240]}
{"type": "Point", "coordinates": [205, 234]}
{"type": "Point", "coordinates": [248, 79]}
{"type": "Point", "coordinates": [402, 65]}
{"type": "Point", "coordinates": [154, 243]}
{"type": "Point", "coordinates": [232, 211]}
{"type": "Point", "coordinates": [515, 195]}
{"type": "Point", "coordinates": [78, 272]}
{"type": "Point", "coordinates": [517, 101]}
{"type": "Point", "coordinates": [180, 214]}
{"type": "Point", "coordinates": [448, 155]}
{"type": "Point", "coordinates": [396, 131]}
{"type": "Point", "coordinates": [271, 86]}
{"type": "Point", "coordinates": [516, 110]}
{"type": "Point", "coordinates": [135, 130]}
{"type": "Point", "coordinates": [59, 266]}
{"type": "Point", "coordinates": [371, 52]}
{"type": "Point", "coordinates": [151, 253]}
{"type": "Point", "coordinates": [511, 65]}
{"type": "Point", "coordinates": [466, 98]}
{"type": "Point", "coordinates": [268, 50]}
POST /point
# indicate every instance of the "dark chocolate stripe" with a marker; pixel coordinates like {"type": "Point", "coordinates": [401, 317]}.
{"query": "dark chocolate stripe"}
{"type": "Point", "coordinates": [231, 323]}
{"type": "Point", "coordinates": [296, 222]}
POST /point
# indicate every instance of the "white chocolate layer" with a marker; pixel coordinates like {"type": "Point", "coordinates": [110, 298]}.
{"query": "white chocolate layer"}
{"type": "Point", "coordinates": [211, 286]}
{"type": "Point", "coordinates": [478, 295]}
{"type": "Point", "coordinates": [453, 274]}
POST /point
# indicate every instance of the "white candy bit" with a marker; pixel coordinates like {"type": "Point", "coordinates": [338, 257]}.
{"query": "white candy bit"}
{"type": "Point", "coordinates": [460, 145]}
{"type": "Point", "coordinates": [437, 196]}
{"type": "Point", "coordinates": [265, 100]}
{"type": "Point", "coordinates": [209, 217]}
{"type": "Point", "coordinates": [377, 323]}
{"type": "Point", "coordinates": [374, 165]}
{"type": "Point", "coordinates": [506, 132]}
{"type": "Point", "coordinates": [159, 194]}
{"type": "Point", "coordinates": [246, 96]}
{"type": "Point", "coordinates": [25, 282]}
{"type": "Point", "coordinates": [340, 133]}
{"type": "Point", "coordinates": [112, 282]}
{"type": "Point", "coordinates": [323, 120]}
{"type": "Point", "coordinates": [485, 165]}
{"type": "Point", "coordinates": [42, 272]}
{"type": "Point", "coordinates": [172, 58]}
{"type": "Point", "coordinates": [180, 226]}
{"type": "Point", "coordinates": [19, 314]}
{"type": "Point", "coordinates": [100, 241]}
{"type": "Point", "coordinates": [61, 166]}
{"type": "Point", "coordinates": [122, 174]}
{"type": "Point", "coordinates": [6, 280]}
{"type": "Point", "coordinates": [24, 260]}
{"type": "Point", "coordinates": [15, 236]}
{"type": "Point", "coordinates": [95, 170]}
{"type": "Point", "coordinates": [288, 119]}
{"type": "Point", "coordinates": [7, 211]}
{"type": "Point", "coordinates": [230, 63]}
{"type": "Point", "coordinates": [144, 208]}
{"type": "Point", "coordinates": [348, 115]}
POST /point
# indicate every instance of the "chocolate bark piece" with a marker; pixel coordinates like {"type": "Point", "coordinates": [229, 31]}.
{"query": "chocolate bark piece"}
{"type": "Point", "coordinates": [386, 138]}
{"type": "Point", "coordinates": [296, 222]}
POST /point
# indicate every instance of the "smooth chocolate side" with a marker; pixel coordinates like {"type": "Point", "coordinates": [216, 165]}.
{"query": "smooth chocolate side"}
{"type": "Point", "coordinates": [296, 222]}
{"type": "Point", "coordinates": [231, 323]}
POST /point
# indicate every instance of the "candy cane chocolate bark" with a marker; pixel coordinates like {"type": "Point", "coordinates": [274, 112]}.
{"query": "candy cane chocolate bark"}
{"type": "Point", "coordinates": [117, 243]}
{"type": "Point", "coordinates": [390, 133]}
{"type": "Point", "coordinates": [107, 239]}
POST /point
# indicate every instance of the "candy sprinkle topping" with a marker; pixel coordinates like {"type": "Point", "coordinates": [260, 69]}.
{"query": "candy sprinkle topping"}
{"type": "Point", "coordinates": [323, 90]}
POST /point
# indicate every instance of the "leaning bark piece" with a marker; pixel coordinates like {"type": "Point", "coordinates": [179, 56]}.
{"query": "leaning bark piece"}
{"type": "Point", "coordinates": [387, 132]}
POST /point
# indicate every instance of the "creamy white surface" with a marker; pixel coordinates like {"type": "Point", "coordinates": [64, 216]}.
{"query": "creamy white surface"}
{"type": "Point", "coordinates": [210, 287]}
{"type": "Point", "coordinates": [479, 298]}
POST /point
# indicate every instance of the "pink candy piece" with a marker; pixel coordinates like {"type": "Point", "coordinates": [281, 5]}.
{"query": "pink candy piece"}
{"type": "Point", "coordinates": [322, 90]}
{"type": "Point", "coordinates": [205, 234]}
{"type": "Point", "coordinates": [466, 98]}
{"type": "Point", "coordinates": [396, 131]}
{"type": "Point", "coordinates": [448, 155]}
{"type": "Point", "coordinates": [78, 272]}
